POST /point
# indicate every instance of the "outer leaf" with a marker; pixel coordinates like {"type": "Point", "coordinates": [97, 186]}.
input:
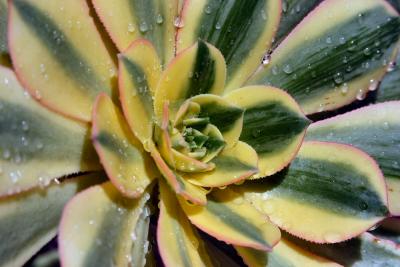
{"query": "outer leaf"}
{"type": "Point", "coordinates": [37, 145]}
{"type": "Point", "coordinates": [335, 55]}
{"type": "Point", "coordinates": [229, 218]}
{"type": "Point", "coordinates": [326, 186]}
{"type": "Point", "coordinates": [66, 63]}
{"type": "Point", "coordinates": [273, 125]}
{"type": "Point", "coordinates": [389, 89]}
{"type": "Point", "coordinates": [121, 154]}
{"type": "Point", "coordinates": [29, 220]}
{"type": "Point", "coordinates": [199, 69]}
{"type": "Point", "coordinates": [374, 129]}
{"type": "Point", "coordinates": [293, 12]}
{"type": "Point", "coordinates": [129, 20]}
{"type": "Point", "coordinates": [232, 165]}
{"type": "Point", "coordinates": [285, 253]}
{"type": "Point", "coordinates": [242, 30]}
{"type": "Point", "coordinates": [139, 72]}
{"type": "Point", "coordinates": [367, 250]}
{"type": "Point", "coordinates": [97, 227]}
{"type": "Point", "coordinates": [3, 29]}
{"type": "Point", "coordinates": [178, 242]}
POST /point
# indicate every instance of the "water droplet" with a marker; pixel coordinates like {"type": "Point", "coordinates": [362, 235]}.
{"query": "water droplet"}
{"type": "Point", "coordinates": [342, 40]}
{"type": "Point", "coordinates": [6, 81]}
{"type": "Point", "coordinates": [15, 176]}
{"type": "Point", "coordinates": [284, 6]}
{"type": "Point", "coordinates": [159, 19]}
{"type": "Point", "coordinates": [218, 26]}
{"type": "Point", "coordinates": [373, 85]}
{"type": "Point", "coordinates": [361, 94]}
{"type": "Point", "coordinates": [328, 40]}
{"type": "Point", "coordinates": [386, 125]}
{"type": "Point", "coordinates": [338, 78]}
{"type": "Point", "coordinates": [178, 22]}
{"type": "Point", "coordinates": [207, 9]}
{"type": "Point", "coordinates": [143, 27]}
{"type": "Point", "coordinates": [321, 107]}
{"type": "Point", "coordinates": [367, 51]}
{"type": "Point", "coordinates": [266, 59]}
{"type": "Point", "coordinates": [391, 66]}
{"type": "Point", "coordinates": [263, 14]}
{"type": "Point", "coordinates": [344, 89]}
{"type": "Point", "coordinates": [25, 126]}
{"type": "Point", "coordinates": [363, 205]}
{"type": "Point", "coordinates": [131, 28]}
{"type": "Point", "coordinates": [287, 69]}
{"type": "Point", "coordinates": [298, 8]}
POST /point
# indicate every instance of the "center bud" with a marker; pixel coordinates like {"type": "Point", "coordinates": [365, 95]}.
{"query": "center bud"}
{"type": "Point", "coordinates": [189, 141]}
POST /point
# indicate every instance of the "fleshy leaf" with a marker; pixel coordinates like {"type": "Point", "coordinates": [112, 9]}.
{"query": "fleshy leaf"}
{"type": "Point", "coordinates": [326, 186]}
{"type": "Point", "coordinates": [389, 89]}
{"type": "Point", "coordinates": [285, 253]}
{"type": "Point", "coordinates": [374, 129]}
{"type": "Point", "coordinates": [227, 117]}
{"type": "Point", "coordinates": [66, 65]}
{"type": "Point", "coordinates": [139, 72]}
{"type": "Point", "coordinates": [37, 145]}
{"type": "Point", "coordinates": [335, 55]}
{"type": "Point", "coordinates": [127, 165]}
{"type": "Point", "coordinates": [242, 30]}
{"type": "Point", "coordinates": [129, 20]}
{"type": "Point", "coordinates": [232, 165]}
{"type": "Point", "coordinates": [364, 251]}
{"type": "Point", "coordinates": [197, 70]}
{"type": "Point", "coordinates": [3, 30]}
{"type": "Point", "coordinates": [188, 191]}
{"type": "Point", "coordinates": [293, 12]}
{"type": "Point", "coordinates": [98, 226]}
{"type": "Point", "coordinates": [29, 220]}
{"type": "Point", "coordinates": [273, 125]}
{"type": "Point", "coordinates": [229, 218]}
{"type": "Point", "coordinates": [178, 242]}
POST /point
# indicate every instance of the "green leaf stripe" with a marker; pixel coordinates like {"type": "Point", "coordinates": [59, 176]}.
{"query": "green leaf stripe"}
{"type": "Point", "coordinates": [139, 79]}
{"type": "Point", "coordinates": [29, 220]}
{"type": "Point", "coordinates": [234, 220]}
{"type": "Point", "coordinates": [337, 187]}
{"type": "Point", "coordinates": [389, 89]}
{"type": "Point", "coordinates": [223, 117]}
{"type": "Point", "coordinates": [126, 151]}
{"type": "Point", "coordinates": [361, 251]}
{"type": "Point", "coordinates": [203, 71]}
{"type": "Point", "coordinates": [293, 11]}
{"type": "Point", "coordinates": [28, 135]}
{"type": "Point", "coordinates": [336, 57]}
{"type": "Point", "coordinates": [61, 48]}
{"type": "Point", "coordinates": [373, 129]}
{"type": "Point", "coordinates": [149, 16]}
{"type": "Point", "coordinates": [233, 27]}
{"type": "Point", "coordinates": [271, 126]}
{"type": "Point", "coordinates": [3, 29]}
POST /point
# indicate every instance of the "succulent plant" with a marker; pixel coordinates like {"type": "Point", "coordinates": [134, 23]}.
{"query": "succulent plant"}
{"type": "Point", "coordinates": [143, 131]}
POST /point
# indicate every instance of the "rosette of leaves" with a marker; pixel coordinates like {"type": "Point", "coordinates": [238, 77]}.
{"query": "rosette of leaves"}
{"type": "Point", "coordinates": [110, 107]}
